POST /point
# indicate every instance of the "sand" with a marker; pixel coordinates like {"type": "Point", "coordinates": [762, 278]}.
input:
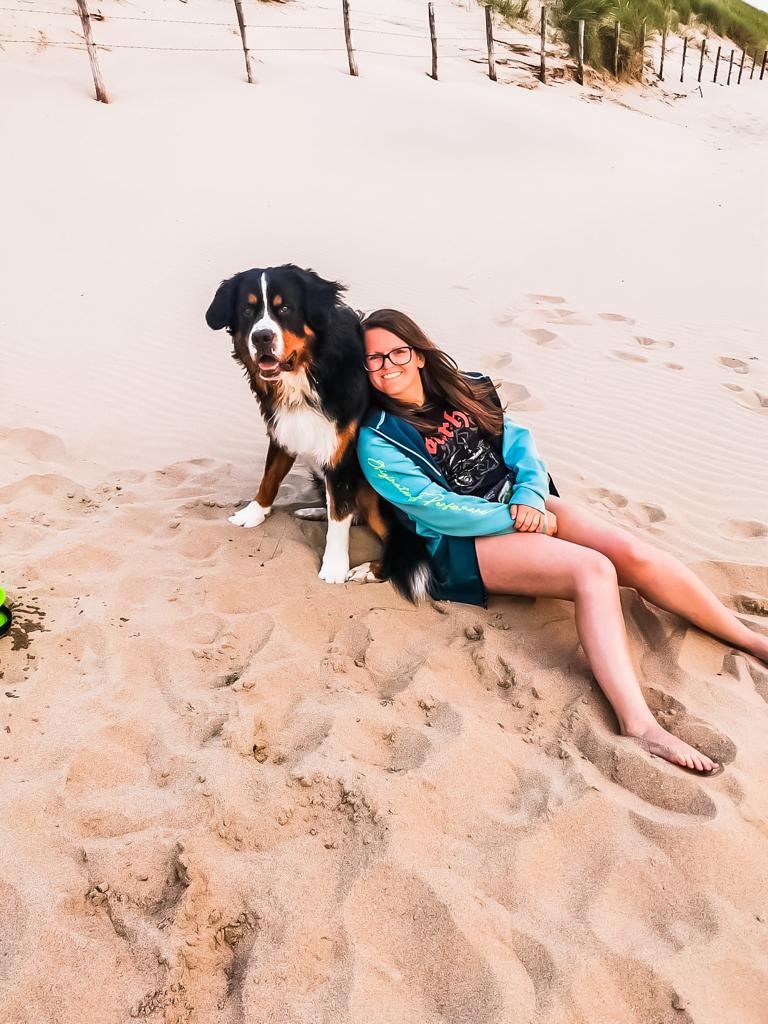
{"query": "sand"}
{"type": "Point", "coordinates": [232, 793]}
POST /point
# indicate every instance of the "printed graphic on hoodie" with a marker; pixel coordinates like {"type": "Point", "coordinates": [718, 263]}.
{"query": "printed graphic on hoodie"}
{"type": "Point", "coordinates": [470, 463]}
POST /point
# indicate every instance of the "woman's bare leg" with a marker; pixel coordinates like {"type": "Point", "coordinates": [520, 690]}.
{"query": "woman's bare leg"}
{"type": "Point", "coordinates": [540, 566]}
{"type": "Point", "coordinates": [657, 576]}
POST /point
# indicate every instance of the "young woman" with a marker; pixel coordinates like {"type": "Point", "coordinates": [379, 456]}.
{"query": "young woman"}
{"type": "Point", "coordinates": [438, 446]}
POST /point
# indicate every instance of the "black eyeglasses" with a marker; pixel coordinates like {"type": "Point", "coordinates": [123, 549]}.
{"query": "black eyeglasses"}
{"type": "Point", "coordinates": [398, 357]}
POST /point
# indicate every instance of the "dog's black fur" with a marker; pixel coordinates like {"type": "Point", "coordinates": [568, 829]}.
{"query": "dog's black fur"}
{"type": "Point", "coordinates": [302, 349]}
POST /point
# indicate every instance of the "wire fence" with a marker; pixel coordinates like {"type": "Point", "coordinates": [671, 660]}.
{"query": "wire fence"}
{"type": "Point", "coordinates": [473, 49]}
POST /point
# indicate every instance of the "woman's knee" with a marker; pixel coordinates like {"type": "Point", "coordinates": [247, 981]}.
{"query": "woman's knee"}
{"type": "Point", "coordinates": [593, 571]}
{"type": "Point", "coordinates": [635, 560]}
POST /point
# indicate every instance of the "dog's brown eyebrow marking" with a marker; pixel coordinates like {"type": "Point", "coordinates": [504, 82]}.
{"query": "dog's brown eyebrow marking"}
{"type": "Point", "coordinates": [277, 301]}
{"type": "Point", "coordinates": [253, 298]}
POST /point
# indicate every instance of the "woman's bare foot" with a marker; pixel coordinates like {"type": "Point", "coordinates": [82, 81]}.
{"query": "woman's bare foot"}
{"type": "Point", "coordinates": [663, 744]}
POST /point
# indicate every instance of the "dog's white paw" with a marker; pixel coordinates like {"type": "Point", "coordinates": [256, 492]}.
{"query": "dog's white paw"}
{"type": "Point", "coordinates": [334, 569]}
{"type": "Point", "coordinates": [252, 515]}
{"type": "Point", "coordinates": [363, 574]}
{"type": "Point", "coordinates": [311, 513]}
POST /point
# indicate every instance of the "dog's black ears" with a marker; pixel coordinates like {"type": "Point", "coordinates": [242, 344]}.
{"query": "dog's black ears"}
{"type": "Point", "coordinates": [320, 296]}
{"type": "Point", "coordinates": [221, 312]}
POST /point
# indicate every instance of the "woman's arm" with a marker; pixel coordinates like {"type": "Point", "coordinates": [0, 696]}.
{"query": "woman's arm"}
{"type": "Point", "coordinates": [520, 454]}
{"type": "Point", "coordinates": [397, 477]}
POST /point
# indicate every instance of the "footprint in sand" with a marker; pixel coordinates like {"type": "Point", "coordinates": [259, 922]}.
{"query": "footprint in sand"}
{"type": "Point", "coordinates": [737, 365]}
{"type": "Point", "coordinates": [629, 357]}
{"type": "Point", "coordinates": [37, 443]}
{"type": "Point", "coordinates": [624, 762]}
{"type": "Point", "coordinates": [674, 366]}
{"type": "Point", "coordinates": [561, 314]}
{"type": "Point", "coordinates": [541, 336]}
{"type": "Point", "coordinates": [733, 387]}
{"type": "Point", "coordinates": [616, 317]}
{"type": "Point", "coordinates": [554, 299]}
{"type": "Point", "coordinates": [393, 663]}
{"type": "Point", "coordinates": [506, 319]}
{"type": "Point", "coordinates": [652, 343]}
{"type": "Point", "coordinates": [644, 514]}
{"type": "Point", "coordinates": [746, 670]}
{"type": "Point", "coordinates": [569, 319]}
{"type": "Point", "coordinates": [402, 921]}
{"type": "Point", "coordinates": [394, 748]}
{"type": "Point", "coordinates": [754, 400]}
{"type": "Point", "coordinates": [611, 499]}
{"type": "Point", "coordinates": [751, 604]}
{"type": "Point", "coordinates": [517, 396]}
{"type": "Point", "coordinates": [641, 513]}
{"type": "Point", "coordinates": [504, 361]}
{"type": "Point", "coordinates": [744, 529]}
{"type": "Point", "coordinates": [674, 716]}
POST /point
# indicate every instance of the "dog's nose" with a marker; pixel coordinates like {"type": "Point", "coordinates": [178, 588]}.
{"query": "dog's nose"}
{"type": "Point", "coordinates": [263, 338]}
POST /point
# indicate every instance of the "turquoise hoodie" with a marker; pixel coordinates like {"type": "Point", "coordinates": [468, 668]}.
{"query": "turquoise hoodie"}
{"type": "Point", "coordinates": [396, 463]}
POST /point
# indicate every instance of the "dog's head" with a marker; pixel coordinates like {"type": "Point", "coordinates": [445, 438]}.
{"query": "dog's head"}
{"type": "Point", "coordinates": [275, 316]}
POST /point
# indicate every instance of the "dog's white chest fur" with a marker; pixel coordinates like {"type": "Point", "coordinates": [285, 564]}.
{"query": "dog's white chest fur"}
{"type": "Point", "coordinates": [300, 428]}
{"type": "Point", "coordinates": [304, 431]}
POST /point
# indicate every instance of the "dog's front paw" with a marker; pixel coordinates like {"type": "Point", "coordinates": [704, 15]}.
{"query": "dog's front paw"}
{"type": "Point", "coordinates": [334, 569]}
{"type": "Point", "coordinates": [252, 515]}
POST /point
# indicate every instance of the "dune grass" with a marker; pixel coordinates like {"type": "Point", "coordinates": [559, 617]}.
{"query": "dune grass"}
{"type": "Point", "coordinates": [746, 26]}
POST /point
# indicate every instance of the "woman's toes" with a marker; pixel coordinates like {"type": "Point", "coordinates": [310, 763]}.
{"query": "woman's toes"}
{"type": "Point", "coordinates": [665, 744]}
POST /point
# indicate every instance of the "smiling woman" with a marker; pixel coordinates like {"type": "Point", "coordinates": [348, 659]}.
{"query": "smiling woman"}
{"type": "Point", "coordinates": [469, 480]}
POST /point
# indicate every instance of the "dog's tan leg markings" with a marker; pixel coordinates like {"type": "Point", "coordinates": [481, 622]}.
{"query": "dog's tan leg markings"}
{"type": "Point", "coordinates": [347, 436]}
{"type": "Point", "coordinates": [368, 503]}
{"type": "Point", "coordinates": [276, 469]}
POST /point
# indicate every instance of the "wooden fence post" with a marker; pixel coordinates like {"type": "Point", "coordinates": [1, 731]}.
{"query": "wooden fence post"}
{"type": "Point", "coordinates": [101, 92]}
{"type": "Point", "coordinates": [543, 71]}
{"type": "Point", "coordinates": [762, 68]}
{"type": "Point", "coordinates": [701, 60]}
{"type": "Point", "coordinates": [580, 53]}
{"type": "Point", "coordinates": [489, 39]}
{"type": "Point", "coordinates": [754, 58]}
{"type": "Point", "coordinates": [730, 67]}
{"type": "Point", "coordinates": [682, 62]}
{"type": "Point", "coordinates": [616, 34]}
{"type": "Point", "coordinates": [433, 38]}
{"type": "Point", "coordinates": [348, 37]}
{"type": "Point", "coordinates": [663, 49]}
{"type": "Point", "coordinates": [741, 66]}
{"type": "Point", "coordinates": [717, 63]}
{"type": "Point", "coordinates": [642, 51]}
{"type": "Point", "coordinates": [241, 23]}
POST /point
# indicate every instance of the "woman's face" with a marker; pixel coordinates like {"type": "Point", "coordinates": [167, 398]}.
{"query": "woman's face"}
{"type": "Point", "coordinates": [397, 381]}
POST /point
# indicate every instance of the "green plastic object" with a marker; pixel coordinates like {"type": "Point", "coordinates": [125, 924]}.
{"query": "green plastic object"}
{"type": "Point", "coordinates": [5, 614]}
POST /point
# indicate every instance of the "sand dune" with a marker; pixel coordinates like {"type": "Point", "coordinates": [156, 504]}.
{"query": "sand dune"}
{"type": "Point", "coordinates": [233, 793]}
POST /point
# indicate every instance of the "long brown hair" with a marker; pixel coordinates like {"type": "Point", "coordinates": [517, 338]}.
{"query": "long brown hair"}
{"type": "Point", "coordinates": [444, 384]}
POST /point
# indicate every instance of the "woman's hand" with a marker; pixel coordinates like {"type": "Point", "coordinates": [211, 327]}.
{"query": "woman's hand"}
{"type": "Point", "coordinates": [530, 520]}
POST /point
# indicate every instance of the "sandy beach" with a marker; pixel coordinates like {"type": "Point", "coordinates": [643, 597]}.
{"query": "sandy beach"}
{"type": "Point", "coordinates": [233, 794]}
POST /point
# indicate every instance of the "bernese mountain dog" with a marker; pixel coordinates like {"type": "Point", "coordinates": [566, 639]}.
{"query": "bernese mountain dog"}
{"type": "Point", "coordinates": [303, 352]}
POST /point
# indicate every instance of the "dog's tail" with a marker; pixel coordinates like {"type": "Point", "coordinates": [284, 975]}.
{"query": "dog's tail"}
{"type": "Point", "coordinates": [405, 562]}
